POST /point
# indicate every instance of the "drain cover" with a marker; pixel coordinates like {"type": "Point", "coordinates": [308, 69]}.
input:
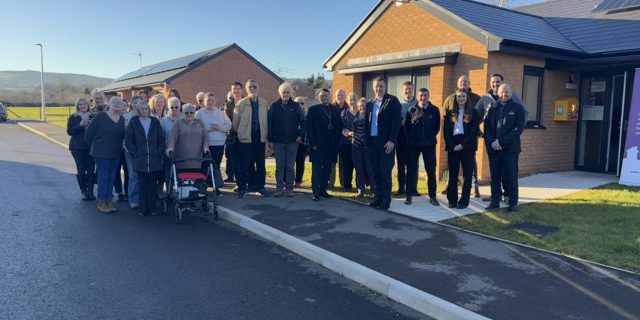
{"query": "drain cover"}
{"type": "Point", "coordinates": [539, 230]}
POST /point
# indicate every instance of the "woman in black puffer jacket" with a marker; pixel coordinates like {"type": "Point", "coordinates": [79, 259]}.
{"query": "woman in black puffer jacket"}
{"type": "Point", "coordinates": [144, 139]}
{"type": "Point", "coordinates": [85, 165]}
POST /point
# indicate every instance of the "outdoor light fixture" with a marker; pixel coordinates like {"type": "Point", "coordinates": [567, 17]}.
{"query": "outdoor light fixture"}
{"type": "Point", "coordinates": [571, 85]}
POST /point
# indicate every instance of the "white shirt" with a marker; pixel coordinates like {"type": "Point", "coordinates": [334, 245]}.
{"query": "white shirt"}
{"type": "Point", "coordinates": [458, 128]}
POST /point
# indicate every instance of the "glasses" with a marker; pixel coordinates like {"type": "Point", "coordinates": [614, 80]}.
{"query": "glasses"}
{"type": "Point", "coordinates": [175, 107]}
{"type": "Point", "coordinates": [189, 112]}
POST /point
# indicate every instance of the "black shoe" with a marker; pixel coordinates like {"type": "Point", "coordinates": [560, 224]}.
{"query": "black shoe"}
{"type": "Point", "coordinates": [492, 205]}
{"type": "Point", "coordinates": [416, 194]}
{"type": "Point", "coordinates": [400, 192]}
{"type": "Point", "coordinates": [230, 180]}
{"type": "Point", "coordinates": [263, 192]}
{"type": "Point", "coordinates": [121, 197]}
{"type": "Point", "coordinates": [374, 203]}
{"type": "Point", "coordinates": [91, 196]}
{"type": "Point", "coordinates": [408, 201]}
{"type": "Point", "coordinates": [86, 197]}
{"type": "Point", "coordinates": [324, 194]}
{"type": "Point", "coordinates": [241, 194]}
{"type": "Point", "coordinates": [476, 193]}
{"type": "Point", "coordinates": [315, 198]}
{"type": "Point", "coordinates": [384, 206]}
{"type": "Point", "coordinates": [452, 205]}
{"type": "Point", "coordinates": [462, 206]}
{"type": "Point", "coordinates": [434, 202]}
{"type": "Point", "coordinates": [512, 208]}
{"type": "Point", "coordinates": [486, 199]}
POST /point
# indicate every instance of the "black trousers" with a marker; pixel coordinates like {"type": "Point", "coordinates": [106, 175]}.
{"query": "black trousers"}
{"type": "Point", "coordinates": [216, 153]}
{"type": "Point", "coordinates": [346, 166]}
{"type": "Point", "coordinates": [381, 166]}
{"type": "Point", "coordinates": [455, 159]}
{"type": "Point", "coordinates": [504, 166]}
{"type": "Point", "coordinates": [118, 185]}
{"type": "Point", "coordinates": [320, 172]}
{"type": "Point", "coordinates": [231, 151]}
{"type": "Point", "coordinates": [300, 158]}
{"type": "Point", "coordinates": [86, 167]}
{"type": "Point", "coordinates": [429, 158]}
{"type": "Point", "coordinates": [402, 153]}
{"type": "Point", "coordinates": [251, 155]}
{"type": "Point", "coordinates": [148, 183]}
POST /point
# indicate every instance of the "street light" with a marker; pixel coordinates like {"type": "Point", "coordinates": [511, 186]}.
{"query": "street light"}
{"type": "Point", "coordinates": [43, 115]}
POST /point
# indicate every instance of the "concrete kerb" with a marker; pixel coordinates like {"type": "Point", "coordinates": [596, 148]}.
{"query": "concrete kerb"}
{"type": "Point", "coordinates": [416, 299]}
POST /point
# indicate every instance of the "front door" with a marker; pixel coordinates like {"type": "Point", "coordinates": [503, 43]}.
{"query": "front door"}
{"type": "Point", "coordinates": [600, 124]}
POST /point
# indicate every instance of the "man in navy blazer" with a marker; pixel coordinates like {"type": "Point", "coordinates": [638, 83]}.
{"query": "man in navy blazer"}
{"type": "Point", "coordinates": [502, 129]}
{"type": "Point", "coordinates": [382, 125]}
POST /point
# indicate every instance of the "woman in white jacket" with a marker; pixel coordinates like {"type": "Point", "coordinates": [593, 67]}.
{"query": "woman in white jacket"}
{"type": "Point", "coordinates": [218, 125]}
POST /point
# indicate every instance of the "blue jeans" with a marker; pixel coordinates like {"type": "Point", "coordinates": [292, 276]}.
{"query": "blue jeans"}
{"type": "Point", "coordinates": [106, 177]}
{"type": "Point", "coordinates": [285, 158]}
{"type": "Point", "coordinates": [134, 189]}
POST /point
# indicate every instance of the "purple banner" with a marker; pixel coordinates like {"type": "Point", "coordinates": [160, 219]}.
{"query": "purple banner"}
{"type": "Point", "coordinates": [630, 174]}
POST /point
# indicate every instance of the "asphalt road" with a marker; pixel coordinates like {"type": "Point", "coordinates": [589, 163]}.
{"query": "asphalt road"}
{"type": "Point", "coordinates": [61, 259]}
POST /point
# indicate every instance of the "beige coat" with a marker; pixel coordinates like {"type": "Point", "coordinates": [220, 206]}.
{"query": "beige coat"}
{"type": "Point", "coordinates": [188, 141]}
{"type": "Point", "coordinates": [242, 119]}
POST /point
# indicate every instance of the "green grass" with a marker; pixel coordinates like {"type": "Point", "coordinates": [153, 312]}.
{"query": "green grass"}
{"type": "Point", "coordinates": [306, 182]}
{"type": "Point", "coordinates": [55, 115]}
{"type": "Point", "coordinates": [601, 224]}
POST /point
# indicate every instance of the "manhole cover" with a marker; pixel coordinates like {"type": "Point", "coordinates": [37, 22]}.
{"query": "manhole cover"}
{"type": "Point", "coordinates": [539, 230]}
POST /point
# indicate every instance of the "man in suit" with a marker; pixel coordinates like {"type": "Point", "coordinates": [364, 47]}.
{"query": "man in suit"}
{"type": "Point", "coordinates": [502, 129]}
{"type": "Point", "coordinates": [382, 125]}
{"type": "Point", "coordinates": [324, 131]}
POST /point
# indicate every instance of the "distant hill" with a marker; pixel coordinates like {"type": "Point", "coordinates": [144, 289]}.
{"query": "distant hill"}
{"type": "Point", "coordinates": [23, 87]}
{"type": "Point", "coordinates": [28, 80]}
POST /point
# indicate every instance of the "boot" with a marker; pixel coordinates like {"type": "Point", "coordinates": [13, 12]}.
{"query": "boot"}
{"type": "Point", "coordinates": [408, 201]}
{"type": "Point", "coordinates": [102, 206]}
{"type": "Point", "coordinates": [111, 206]}
{"type": "Point", "coordinates": [82, 182]}
{"type": "Point", "coordinates": [476, 193]}
{"type": "Point", "coordinates": [89, 186]}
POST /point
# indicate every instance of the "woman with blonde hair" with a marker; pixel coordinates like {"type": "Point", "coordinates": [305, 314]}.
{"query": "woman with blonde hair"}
{"type": "Point", "coordinates": [85, 165]}
{"type": "Point", "coordinates": [158, 107]}
{"type": "Point", "coordinates": [218, 125]}
{"type": "Point", "coordinates": [144, 139]}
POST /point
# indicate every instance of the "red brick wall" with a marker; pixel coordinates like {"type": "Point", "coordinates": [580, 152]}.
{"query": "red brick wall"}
{"type": "Point", "coordinates": [218, 74]}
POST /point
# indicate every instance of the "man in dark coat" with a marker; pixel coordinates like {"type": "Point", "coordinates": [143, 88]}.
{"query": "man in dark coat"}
{"type": "Point", "coordinates": [382, 123]}
{"type": "Point", "coordinates": [324, 130]}
{"type": "Point", "coordinates": [502, 129]}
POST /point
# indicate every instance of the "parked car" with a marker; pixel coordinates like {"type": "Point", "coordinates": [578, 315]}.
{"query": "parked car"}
{"type": "Point", "coordinates": [3, 112]}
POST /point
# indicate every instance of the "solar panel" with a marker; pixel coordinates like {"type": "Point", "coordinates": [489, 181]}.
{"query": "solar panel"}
{"type": "Point", "coordinates": [614, 5]}
{"type": "Point", "coordinates": [136, 73]}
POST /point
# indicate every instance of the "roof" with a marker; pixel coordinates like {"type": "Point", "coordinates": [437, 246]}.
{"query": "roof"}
{"type": "Point", "coordinates": [168, 70]}
{"type": "Point", "coordinates": [570, 28]}
{"type": "Point", "coordinates": [594, 30]}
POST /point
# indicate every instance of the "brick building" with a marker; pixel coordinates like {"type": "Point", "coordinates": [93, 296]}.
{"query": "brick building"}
{"type": "Point", "coordinates": [208, 71]}
{"type": "Point", "coordinates": [562, 49]}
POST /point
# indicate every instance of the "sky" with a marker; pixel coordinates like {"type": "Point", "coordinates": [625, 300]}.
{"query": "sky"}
{"type": "Point", "coordinates": [101, 38]}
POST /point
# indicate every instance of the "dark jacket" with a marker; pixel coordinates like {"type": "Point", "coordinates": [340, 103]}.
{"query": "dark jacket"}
{"type": "Point", "coordinates": [424, 130]}
{"type": "Point", "coordinates": [146, 150]}
{"type": "Point", "coordinates": [470, 135]}
{"type": "Point", "coordinates": [105, 137]}
{"type": "Point", "coordinates": [513, 120]}
{"type": "Point", "coordinates": [286, 122]}
{"type": "Point", "coordinates": [228, 109]}
{"type": "Point", "coordinates": [76, 132]}
{"type": "Point", "coordinates": [388, 119]}
{"type": "Point", "coordinates": [323, 140]}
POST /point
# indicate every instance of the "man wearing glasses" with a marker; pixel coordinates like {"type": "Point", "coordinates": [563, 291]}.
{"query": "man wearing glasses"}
{"type": "Point", "coordinates": [250, 124]}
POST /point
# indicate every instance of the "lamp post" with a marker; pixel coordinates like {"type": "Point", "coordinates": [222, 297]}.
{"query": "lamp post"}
{"type": "Point", "coordinates": [43, 115]}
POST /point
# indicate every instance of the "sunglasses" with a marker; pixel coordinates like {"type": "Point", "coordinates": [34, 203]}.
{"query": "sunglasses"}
{"type": "Point", "coordinates": [189, 112]}
{"type": "Point", "coordinates": [175, 107]}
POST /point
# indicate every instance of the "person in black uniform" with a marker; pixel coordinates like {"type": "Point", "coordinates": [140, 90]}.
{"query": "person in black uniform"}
{"type": "Point", "coordinates": [382, 123]}
{"type": "Point", "coordinates": [461, 126]}
{"type": "Point", "coordinates": [324, 131]}
{"type": "Point", "coordinates": [502, 129]}
{"type": "Point", "coordinates": [421, 125]}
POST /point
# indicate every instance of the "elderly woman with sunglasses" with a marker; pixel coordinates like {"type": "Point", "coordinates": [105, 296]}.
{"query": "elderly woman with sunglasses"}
{"type": "Point", "coordinates": [189, 139]}
{"type": "Point", "coordinates": [144, 139]}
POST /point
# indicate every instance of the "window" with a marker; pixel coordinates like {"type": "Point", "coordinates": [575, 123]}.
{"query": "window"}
{"type": "Point", "coordinates": [394, 80]}
{"type": "Point", "coordinates": [532, 93]}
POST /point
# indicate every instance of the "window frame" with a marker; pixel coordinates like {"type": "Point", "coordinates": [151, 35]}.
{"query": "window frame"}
{"type": "Point", "coordinates": [534, 72]}
{"type": "Point", "coordinates": [415, 72]}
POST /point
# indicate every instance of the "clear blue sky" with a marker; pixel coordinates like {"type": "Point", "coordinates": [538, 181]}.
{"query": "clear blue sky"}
{"type": "Point", "coordinates": [100, 37]}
